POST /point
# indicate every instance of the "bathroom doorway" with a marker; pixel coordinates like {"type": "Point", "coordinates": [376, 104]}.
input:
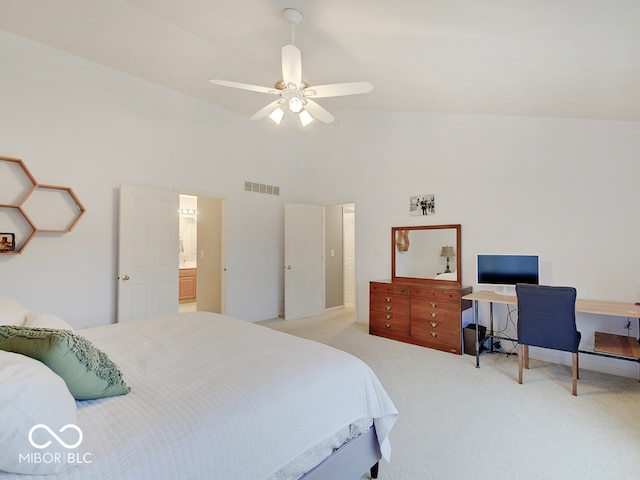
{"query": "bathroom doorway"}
{"type": "Point", "coordinates": [200, 254]}
{"type": "Point", "coordinates": [340, 277]}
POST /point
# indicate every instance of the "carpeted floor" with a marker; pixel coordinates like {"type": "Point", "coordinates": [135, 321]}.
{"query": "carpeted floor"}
{"type": "Point", "coordinates": [459, 422]}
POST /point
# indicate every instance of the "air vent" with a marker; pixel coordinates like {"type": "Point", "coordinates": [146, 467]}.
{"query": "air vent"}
{"type": "Point", "coordinates": [261, 188]}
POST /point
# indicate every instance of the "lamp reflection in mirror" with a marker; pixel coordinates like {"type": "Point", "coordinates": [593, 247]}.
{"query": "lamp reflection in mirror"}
{"type": "Point", "coordinates": [448, 252]}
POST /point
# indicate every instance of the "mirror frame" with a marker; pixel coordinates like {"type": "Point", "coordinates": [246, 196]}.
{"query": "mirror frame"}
{"type": "Point", "coordinates": [458, 252]}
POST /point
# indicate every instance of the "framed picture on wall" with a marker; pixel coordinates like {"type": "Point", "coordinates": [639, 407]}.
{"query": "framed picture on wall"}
{"type": "Point", "coordinates": [7, 242]}
{"type": "Point", "coordinates": [422, 205]}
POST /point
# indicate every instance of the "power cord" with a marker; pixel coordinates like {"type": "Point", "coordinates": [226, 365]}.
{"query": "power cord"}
{"type": "Point", "coordinates": [497, 346]}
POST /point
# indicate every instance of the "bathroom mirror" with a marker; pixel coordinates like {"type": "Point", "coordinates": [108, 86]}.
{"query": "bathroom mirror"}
{"type": "Point", "coordinates": [428, 254]}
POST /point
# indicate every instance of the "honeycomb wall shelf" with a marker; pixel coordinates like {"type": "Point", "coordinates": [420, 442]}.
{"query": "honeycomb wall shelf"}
{"type": "Point", "coordinates": [28, 207]}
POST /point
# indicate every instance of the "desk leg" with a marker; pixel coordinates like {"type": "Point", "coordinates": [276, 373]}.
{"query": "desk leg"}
{"type": "Point", "coordinates": [475, 320]}
{"type": "Point", "coordinates": [491, 324]}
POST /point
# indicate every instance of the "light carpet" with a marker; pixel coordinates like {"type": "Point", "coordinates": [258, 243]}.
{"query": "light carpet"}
{"type": "Point", "coordinates": [461, 422]}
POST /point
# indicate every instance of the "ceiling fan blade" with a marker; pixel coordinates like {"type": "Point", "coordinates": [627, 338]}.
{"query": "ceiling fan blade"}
{"type": "Point", "coordinates": [337, 89]}
{"type": "Point", "coordinates": [263, 112]}
{"type": "Point", "coordinates": [319, 112]}
{"type": "Point", "coordinates": [291, 65]}
{"type": "Point", "coordinates": [245, 86]}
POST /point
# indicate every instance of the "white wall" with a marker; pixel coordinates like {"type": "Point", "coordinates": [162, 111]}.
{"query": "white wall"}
{"type": "Point", "coordinates": [78, 124]}
{"type": "Point", "coordinates": [563, 189]}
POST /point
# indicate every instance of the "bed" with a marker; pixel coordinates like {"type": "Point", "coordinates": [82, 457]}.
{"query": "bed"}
{"type": "Point", "coordinates": [213, 397]}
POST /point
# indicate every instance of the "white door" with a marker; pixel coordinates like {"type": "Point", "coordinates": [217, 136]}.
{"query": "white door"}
{"type": "Point", "coordinates": [304, 261]}
{"type": "Point", "coordinates": [148, 253]}
{"type": "Point", "coordinates": [349, 248]}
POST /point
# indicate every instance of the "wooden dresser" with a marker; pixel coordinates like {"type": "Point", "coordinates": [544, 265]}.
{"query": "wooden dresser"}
{"type": "Point", "coordinates": [423, 314]}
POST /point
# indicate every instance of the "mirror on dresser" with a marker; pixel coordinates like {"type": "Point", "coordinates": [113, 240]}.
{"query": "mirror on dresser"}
{"type": "Point", "coordinates": [428, 254]}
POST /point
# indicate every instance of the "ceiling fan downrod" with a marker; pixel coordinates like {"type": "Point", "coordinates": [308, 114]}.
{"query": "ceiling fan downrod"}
{"type": "Point", "coordinates": [294, 17]}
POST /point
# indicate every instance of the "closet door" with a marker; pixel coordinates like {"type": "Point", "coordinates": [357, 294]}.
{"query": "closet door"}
{"type": "Point", "coordinates": [304, 261]}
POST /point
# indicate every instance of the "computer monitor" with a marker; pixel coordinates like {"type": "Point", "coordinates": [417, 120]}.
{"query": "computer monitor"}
{"type": "Point", "coordinates": [507, 270]}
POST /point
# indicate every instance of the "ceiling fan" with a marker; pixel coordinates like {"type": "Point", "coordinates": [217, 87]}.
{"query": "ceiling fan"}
{"type": "Point", "coordinates": [294, 95]}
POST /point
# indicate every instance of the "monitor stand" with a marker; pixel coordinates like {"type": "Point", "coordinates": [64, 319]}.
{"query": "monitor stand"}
{"type": "Point", "coordinates": [507, 290]}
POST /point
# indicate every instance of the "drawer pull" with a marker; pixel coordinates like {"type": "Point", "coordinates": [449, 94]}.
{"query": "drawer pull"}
{"type": "Point", "coordinates": [434, 305]}
{"type": "Point", "coordinates": [388, 307]}
{"type": "Point", "coordinates": [388, 316]}
{"type": "Point", "coordinates": [434, 314]}
{"type": "Point", "coordinates": [434, 334]}
{"type": "Point", "coordinates": [388, 299]}
{"type": "Point", "coordinates": [388, 325]}
{"type": "Point", "coordinates": [434, 324]}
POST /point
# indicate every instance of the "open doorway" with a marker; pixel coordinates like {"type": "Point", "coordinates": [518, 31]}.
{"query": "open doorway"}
{"type": "Point", "coordinates": [200, 255]}
{"type": "Point", "coordinates": [340, 256]}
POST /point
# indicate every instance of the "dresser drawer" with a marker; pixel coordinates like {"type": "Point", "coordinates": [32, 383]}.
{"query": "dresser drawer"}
{"type": "Point", "coordinates": [402, 289]}
{"type": "Point", "coordinates": [389, 303]}
{"type": "Point", "coordinates": [424, 292]}
{"type": "Point", "coordinates": [392, 288]}
{"type": "Point", "coordinates": [389, 322]}
{"type": "Point", "coordinates": [382, 287]}
{"type": "Point", "coordinates": [440, 316]}
{"type": "Point", "coordinates": [450, 296]}
{"type": "Point", "coordinates": [433, 309]}
{"type": "Point", "coordinates": [441, 332]}
{"type": "Point", "coordinates": [436, 294]}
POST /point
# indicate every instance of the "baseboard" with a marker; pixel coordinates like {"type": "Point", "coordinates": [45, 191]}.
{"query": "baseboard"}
{"type": "Point", "coordinates": [333, 309]}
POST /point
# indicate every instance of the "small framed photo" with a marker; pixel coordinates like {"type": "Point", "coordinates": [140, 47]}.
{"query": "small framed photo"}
{"type": "Point", "coordinates": [422, 205]}
{"type": "Point", "coordinates": [7, 242]}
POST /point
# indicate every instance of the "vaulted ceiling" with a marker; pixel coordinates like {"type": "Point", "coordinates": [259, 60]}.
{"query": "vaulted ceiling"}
{"type": "Point", "coordinates": [547, 58]}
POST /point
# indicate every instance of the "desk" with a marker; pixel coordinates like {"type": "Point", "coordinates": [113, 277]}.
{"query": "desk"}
{"type": "Point", "coordinates": [605, 345]}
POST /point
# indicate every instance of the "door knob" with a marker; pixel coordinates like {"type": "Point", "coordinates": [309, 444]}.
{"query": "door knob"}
{"type": "Point", "coordinates": [288, 267]}
{"type": "Point", "coordinates": [125, 277]}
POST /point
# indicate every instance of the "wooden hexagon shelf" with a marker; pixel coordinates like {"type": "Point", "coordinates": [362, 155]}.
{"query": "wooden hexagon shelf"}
{"type": "Point", "coordinates": [23, 230]}
{"type": "Point", "coordinates": [27, 207]}
{"type": "Point", "coordinates": [17, 182]}
{"type": "Point", "coordinates": [52, 208]}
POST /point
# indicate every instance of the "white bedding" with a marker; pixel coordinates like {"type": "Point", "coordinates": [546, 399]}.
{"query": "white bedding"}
{"type": "Point", "coordinates": [213, 397]}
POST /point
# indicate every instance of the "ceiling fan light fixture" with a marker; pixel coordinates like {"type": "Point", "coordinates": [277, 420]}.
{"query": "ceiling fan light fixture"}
{"type": "Point", "coordinates": [295, 104]}
{"type": "Point", "coordinates": [294, 94]}
{"type": "Point", "coordinates": [305, 118]}
{"type": "Point", "coordinates": [277, 115]}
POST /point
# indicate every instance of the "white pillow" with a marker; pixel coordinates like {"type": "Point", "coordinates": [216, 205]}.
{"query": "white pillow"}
{"type": "Point", "coordinates": [46, 320]}
{"type": "Point", "coordinates": [11, 312]}
{"type": "Point", "coordinates": [31, 394]}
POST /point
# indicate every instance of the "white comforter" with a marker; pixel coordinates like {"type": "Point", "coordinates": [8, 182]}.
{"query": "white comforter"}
{"type": "Point", "coordinates": [218, 398]}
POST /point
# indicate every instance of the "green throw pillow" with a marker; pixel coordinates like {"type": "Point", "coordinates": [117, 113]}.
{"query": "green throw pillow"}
{"type": "Point", "coordinates": [87, 371]}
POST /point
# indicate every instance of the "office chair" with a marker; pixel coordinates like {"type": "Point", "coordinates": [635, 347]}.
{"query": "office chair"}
{"type": "Point", "coordinates": [547, 319]}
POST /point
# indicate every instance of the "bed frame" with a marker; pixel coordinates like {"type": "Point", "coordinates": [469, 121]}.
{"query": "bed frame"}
{"type": "Point", "coordinates": [350, 461]}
